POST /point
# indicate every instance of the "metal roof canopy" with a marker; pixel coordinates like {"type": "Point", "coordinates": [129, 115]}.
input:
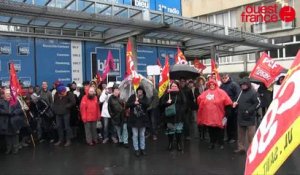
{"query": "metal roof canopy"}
{"type": "Point", "coordinates": [109, 23]}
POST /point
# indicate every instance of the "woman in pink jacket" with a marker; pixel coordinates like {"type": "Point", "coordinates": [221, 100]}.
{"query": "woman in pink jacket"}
{"type": "Point", "coordinates": [211, 113]}
{"type": "Point", "coordinates": [90, 114]}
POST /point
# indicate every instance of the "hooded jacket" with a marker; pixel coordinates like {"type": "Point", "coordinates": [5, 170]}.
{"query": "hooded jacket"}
{"type": "Point", "coordinates": [212, 105]}
{"type": "Point", "coordinates": [247, 105]}
{"type": "Point", "coordinates": [90, 110]}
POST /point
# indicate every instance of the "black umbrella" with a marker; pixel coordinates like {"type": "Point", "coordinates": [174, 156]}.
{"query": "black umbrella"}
{"type": "Point", "coordinates": [183, 71]}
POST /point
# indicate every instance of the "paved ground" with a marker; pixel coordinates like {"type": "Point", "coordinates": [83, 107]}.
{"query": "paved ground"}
{"type": "Point", "coordinates": [110, 159]}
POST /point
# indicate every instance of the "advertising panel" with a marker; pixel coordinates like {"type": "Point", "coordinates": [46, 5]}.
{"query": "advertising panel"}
{"type": "Point", "coordinates": [145, 56]}
{"type": "Point", "coordinates": [20, 51]}
{"type": "Point", "coordinates": [167, 6]}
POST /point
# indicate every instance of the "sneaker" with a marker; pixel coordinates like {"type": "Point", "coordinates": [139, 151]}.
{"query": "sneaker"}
{"type": "Point", "coordinates": [90, 143]}
{"type": "Point", "coordinates": [114, 140]}
{"type": "Point", "coordinates": [231, 141]}
{"type": "Point", "coordinates": [57, 143]}
{"type": "Point", "coordinates": [51, 141]}
{"type": "Point", "coordinates": [137, 153]}
{"type": "Point", "coordinates": [105, 141]}
{"type": "Point", "coordinates": [143, 152]}
{"type": "Point", "coordinates": [68, 143]}
{"type": "Point", "coordinates": [240, 151]}
{"type": "Point", "coordinates": [154, 137]}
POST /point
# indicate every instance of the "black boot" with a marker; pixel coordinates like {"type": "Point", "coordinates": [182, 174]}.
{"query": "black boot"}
{"type": "Point", "coordinates": [179, 143]}
{"type": "Point", "coordinates": [171, 138]}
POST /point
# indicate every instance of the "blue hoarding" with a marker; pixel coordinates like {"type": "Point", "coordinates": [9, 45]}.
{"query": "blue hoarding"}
{"type": "Point", "coordinates": [167, 6]}
{"type": "Point", "coordinates": [53, 59]}
{"type": "Point", "coordinates": [162, 52]}
{"type": "Point", "coordinates": [99, 52]}
{"type": "Point", "coordinates": [21, 51]}
{"type": "Point", "coordinates": [145, 56]}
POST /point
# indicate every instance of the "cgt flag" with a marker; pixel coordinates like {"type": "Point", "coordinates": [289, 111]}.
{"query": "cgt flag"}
{"type": "Point", "coordinates": [164, 78]}
{"type": "Point", "coordinates": [198, 65]}
{"type": "Point", "coordinates": [277, 136]}
{"type": "Point", "coordinates": [214, 70]}
{"type": "Point", "coordinates": [15, 88]}
{"type": "Point", "coordinates": [129, 59]}
{"type": "Point", "coordinates": [179, 57]}
{"type": "Point", "coordinates": [266, 70]}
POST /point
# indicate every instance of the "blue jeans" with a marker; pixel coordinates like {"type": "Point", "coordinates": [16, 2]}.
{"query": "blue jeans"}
{"type": "Point", "coordinates": [122, 133]}
{"type": "Point", "coordinates": [108, 130]}
{"type": "Point", "coordinates": [138, 133]}
{"type": "Point", "coordinates": [63, 124]}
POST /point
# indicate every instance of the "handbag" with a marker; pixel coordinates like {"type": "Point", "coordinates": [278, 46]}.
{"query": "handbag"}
{"type": "Point", "coordinates": [170, 111]}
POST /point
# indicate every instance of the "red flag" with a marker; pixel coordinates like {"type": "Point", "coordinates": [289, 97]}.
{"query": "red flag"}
{"type": "Point", "coordinates": [15, 88]}
{"type": "Point", "coordinates": [129, 59]}
{"type": "Point", "coordinates": [198, 65]}
{"type": "Point", "coordinates": [136, 80]}
{"type": "Point", "coordinates": [109, 65]}
{"type": "Point", "coordinates": [266, 70]}
{"type": "Point", "coordinates": [179, 57]}
{"type": "Point", "coordinates": [164, 78]}
{"type": "Point", "coordinates": [277, 136]}
{"type": "Point", "coordinates": [214, 70]}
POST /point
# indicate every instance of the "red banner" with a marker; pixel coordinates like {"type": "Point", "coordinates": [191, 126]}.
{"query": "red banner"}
{"type": "Point", "coordinates": [15, 88]}
{"type": "Point", "coordinates": [277, 136]}
{"type": "Point", "coordinates": [164, 78]}
{"type": "Point", "coordinates": [266, 70]}
{"type": "Point", "coordinates": [198, 65]}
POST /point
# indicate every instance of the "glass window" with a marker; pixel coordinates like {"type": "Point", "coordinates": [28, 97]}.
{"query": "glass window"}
{"type": "Point", "coordinates": [280, 53]}
{"type": "Point", "coordinates": [239, 58]}
{"type": "Point", "coordinates": [273, 53]}
{"type": "Point", "coordinates": [211, 19]}
{"type": "Point", "coordinates": [284, 39]}
{"type": "Point", "coordinates": [297, 37]}
{"type": "Point", "coordinates": [251, 57]}
{"type": "Point", "coordinates": [233, 18]}
{"type": "Point", "coordinates": [291, 50]}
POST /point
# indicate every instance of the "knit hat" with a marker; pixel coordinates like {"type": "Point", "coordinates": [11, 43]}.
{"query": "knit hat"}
{"type": "Point", "coordinates": [61, 89]}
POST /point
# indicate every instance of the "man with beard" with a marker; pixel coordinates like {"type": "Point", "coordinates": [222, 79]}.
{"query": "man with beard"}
{"type": "Point", "coordinates": [90, 114]}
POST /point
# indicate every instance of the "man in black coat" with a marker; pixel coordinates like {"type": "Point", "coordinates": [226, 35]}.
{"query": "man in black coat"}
{"type": "Point", "coordinates": [188, 117]}
{"type": "Point", "coordinates": [247, 106]}
{"type": "Point", "coordinates": [11, 121]}
{"type": "Point", "coordinates": [232, 89]}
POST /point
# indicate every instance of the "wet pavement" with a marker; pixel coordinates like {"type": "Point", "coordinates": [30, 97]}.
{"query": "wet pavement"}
{"type": "Point", "coordinates": [109, 159]}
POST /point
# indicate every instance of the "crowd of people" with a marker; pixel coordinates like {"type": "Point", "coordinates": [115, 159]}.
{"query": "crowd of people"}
{"type": "Point", "coordinates": [225, 112]}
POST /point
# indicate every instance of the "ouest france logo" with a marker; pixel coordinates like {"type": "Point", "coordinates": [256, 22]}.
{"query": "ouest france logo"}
{"type": "Point", "coordinates": [268, 13]}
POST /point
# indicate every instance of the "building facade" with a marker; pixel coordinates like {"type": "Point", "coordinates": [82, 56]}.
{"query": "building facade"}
{"type": "Point", "coordinates": [231, 13]}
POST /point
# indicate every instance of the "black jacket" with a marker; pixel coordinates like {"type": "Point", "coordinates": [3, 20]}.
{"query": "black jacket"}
{"type": "Point", "coordinates": [138, 120]}
{"type": "Point", "coordinates": [63, 104]}
{"type": "Point", "coordinates": [181, 106]}
{"type": "Point", "coordinates": [187, 92]}
{"type": "Point", "coordinates": [116, 110]}
{"type": "Point", "coordinates": [247, 107]}
{"type": "Point", "coordinates": [232, 89]}
{"type": "Point", "coordinates": [11, 118]}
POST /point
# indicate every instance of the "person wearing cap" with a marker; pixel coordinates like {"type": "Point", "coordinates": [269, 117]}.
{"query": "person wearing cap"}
{"type": "Point", "coordinates": [90, 114]}
{"type": "Point", "coordinates": [108, 130]}
{"type": "Point", "coordinates": [117, 112]}
{"type": "Point", "coordinates": [213, 106]}
{"type": "Point", "coordinates": [138, 119]}
{"type": "Point", "coordinates": [247, 106]}
{"type": "Point", "coordinates": [11, 121]}
{"type": "Point", "coordinates": [63, 102]}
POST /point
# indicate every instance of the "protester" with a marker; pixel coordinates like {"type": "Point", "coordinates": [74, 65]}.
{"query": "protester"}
{"type": "Point", "coordinates": [90, 114]}
{"type": "Point", "coordinates": [138, 119]}
{"type": "Point", "coordinates": [63, 102]}
{"type": "Point", "coordinates": [265, 96]}
{"type": "Point", "coordinates": [201, 87]}
{"type": "Point", "coordinates": [74, 120]}
{"type": "Point", "coordinates": [117, 112]}
{"type": "Point", "coordinates": [188, 118]}
{"type": "Point", "coordinates": [108, 130]}
{"type": "Point", "coordinates": [175, 123]}
{"type": "Point", "coordinates": [233, 90]}
{"type": "Point", "coordinates": [11, 121]}
{"type": "Point", "coordinates": [45, 94]}
{"type": "Point", "coordinates": [247, 106]}
{"type": "Point", "coordinates": [212, 105]}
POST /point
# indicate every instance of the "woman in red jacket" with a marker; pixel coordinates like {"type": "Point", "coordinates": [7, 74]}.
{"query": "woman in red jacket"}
{"type": "Point", "coordinates": [212, 105]}
{"type": "Point", "coordinates": [90, 113]}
